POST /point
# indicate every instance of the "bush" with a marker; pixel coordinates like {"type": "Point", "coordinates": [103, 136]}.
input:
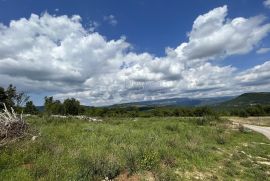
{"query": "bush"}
{"type": "Point", "coordinates": [98, 168]}
{"type": "Point", "coordinates": [166, 175]}
{"type": "Point", "coordinates": [173, 128]}
{"type": "Point", "coordinates": [221, 139]}
{"type": "Point", "coordinates": [201, 121]}
{"type": "Point", "coordinates": [207, 120]}
{"type": "Point", "coordinates": [130, 159]}
{"type": "Point", "coordinates": [149, 160]}
{"type": "Point", "coordinates": [241, 128]}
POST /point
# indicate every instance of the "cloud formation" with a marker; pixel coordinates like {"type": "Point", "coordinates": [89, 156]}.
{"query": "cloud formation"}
{"type": "Point", "coordinates": [262, 50]}
{"type": "Point", "coordinates": [57, 54]}
{"type": "Point", "coordinates": [213, 35]}
{"type": "Point", "coordinates": [111, 20]}
{"type": "Point", "coordinates": [267, 3]}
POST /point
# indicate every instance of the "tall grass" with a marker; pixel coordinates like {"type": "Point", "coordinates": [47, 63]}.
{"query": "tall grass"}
{"type": "Point", "coordinates": [169, 148]}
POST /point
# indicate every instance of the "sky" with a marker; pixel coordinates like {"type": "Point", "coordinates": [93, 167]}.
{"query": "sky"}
{"type": "Point", "coordinates": [104, 52]}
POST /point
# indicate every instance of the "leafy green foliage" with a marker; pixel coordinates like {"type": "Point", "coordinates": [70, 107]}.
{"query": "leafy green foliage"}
{"type": "Point", "coordinates": [249, 99]}
{"type": "Point", "coordinates": [71, 106]}
{"type": "Point", "coordinates": [12, 98]}
{"type": "Point", "coordinates": [97, 168]}
{"type": "Point", "coordinates": [68, 107]}
{"type": "Point", "coordinates": [30, 108]}
{"type": "Point", "coordinates": [149, 160]}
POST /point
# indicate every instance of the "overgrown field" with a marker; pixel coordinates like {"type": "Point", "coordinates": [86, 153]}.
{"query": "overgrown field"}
{"type": "Point", "coordinates": [137, 149]}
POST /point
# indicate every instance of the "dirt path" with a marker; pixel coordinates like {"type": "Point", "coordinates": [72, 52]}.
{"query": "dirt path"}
{"type": "Point", "coordinates": [263, 130]}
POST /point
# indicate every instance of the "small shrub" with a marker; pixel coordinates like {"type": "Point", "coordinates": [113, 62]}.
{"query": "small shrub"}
{"type": "Point", "coordinates": [201, 121]}
{"type": "Point", "coordinates": [220, 128]}
{"type": "Point", "coordinates": [241, 128]}
{"type": "Point", "coordinates": [246, 163]}
{"type": "Point", "coordinates": [149, 160]}
{"type": "Point", "coordinates": [173, 128]}
{"type": "Point", "coordinates": [169, 160]}
{"type": "Point", "coordinates": [172, 143]}
{"type": "Point", "coordinates": [40, 171]}
{"type": "Point", "coordinates": [221, 139]}
{"type": "Point", "coordinates": [208, 120]}
{"type": "Point", "coordinates": [230, 168]}
{"type": "Point", "coordinates": [193, 141]}
{"type": "Point", "coordinates": [130, 159]}
{"type": "Point", "coordinates": [98, 168]}
{"type": "Point", "coordinates": [166, 175]}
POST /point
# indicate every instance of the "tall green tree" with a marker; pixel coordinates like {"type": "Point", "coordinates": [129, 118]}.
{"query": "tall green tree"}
{"type": "Point", "coordinates": [30, 108]}
{"type": "Point", "coordinates": [12, 98]}
{"type": "Point", "coordinates": [71, 106]}
{"type": "Point", "coordinates": [48, 104]}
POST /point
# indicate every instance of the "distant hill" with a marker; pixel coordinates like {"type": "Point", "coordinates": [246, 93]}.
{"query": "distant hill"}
{"type": "Point", "coordinates": [249, 99]}
{"type": "Point", "coordinates": [178, 102]}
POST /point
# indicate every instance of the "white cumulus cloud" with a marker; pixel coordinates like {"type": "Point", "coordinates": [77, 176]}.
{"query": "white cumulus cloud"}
{"type": "Point", "coordinates": [213, 35]}
{"type": "Point", "coordinates": [57, 54]}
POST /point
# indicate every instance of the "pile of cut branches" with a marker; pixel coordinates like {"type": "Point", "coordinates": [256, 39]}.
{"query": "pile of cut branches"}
{"type": "Point", "coordinates": [11, 126]}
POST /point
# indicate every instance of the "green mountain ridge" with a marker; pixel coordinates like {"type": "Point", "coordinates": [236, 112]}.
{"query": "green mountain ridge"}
{"type": "Point", "coordinates": [249, 99]}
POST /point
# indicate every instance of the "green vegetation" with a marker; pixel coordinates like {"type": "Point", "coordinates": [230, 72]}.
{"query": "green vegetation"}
{"type": "Point", "coordinates": [12, 98]}
{"type": "Point", "coordinates": [68, 107]}
{"type": "Point", "coordinates": [249, 99]}
{"type": "Point", "coordinates": [258, 110]}
{"type": "Point", "coordinates": [161, 148]}
{"type": "Point", "coordinates": [30, 108]}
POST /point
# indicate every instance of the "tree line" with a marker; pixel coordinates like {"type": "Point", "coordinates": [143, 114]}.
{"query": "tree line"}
{"type": "Point", "coordinates": [259, 110]}
{"type": "Point", "coordinates": [11, 97]}
{"type": "Point", "coordinates": [19, 101]}
{"type": "Point", "coordinates": [69, 106]}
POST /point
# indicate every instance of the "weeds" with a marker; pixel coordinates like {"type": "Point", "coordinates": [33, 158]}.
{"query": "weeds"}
{"type": "Point", "coordinates": [149, 160]}
{"type": "Point", "coordinates": [241, 128]}
{"type": "Point", "coordinates": [75, 149]}
{"type": "Point", "coordinates": [95, 168]}
{"type": "Point", "coordinates": [221, 139]}
{"type": "Point", "coordinates": [172, 127]}
{"type": "Point", "coordinates": [130, 158]}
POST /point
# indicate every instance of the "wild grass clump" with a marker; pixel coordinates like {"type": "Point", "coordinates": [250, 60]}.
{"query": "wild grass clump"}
{"type": "Point", "coordinates": [221, 139]}
{"type": "Point", "coordinates": [166, 174]}
{"type": "Point", "coordinates": [208, 120]}
{"type": "Point", "coordinates": [221, 135]}
{"type": "Point", "coordinates": [241, 128]}
{"type": "Point", "coordinates": [149, 160]}
{"type": "Point", "coordinates": [130, 157]}
{"type": "Point", "coordinates": [193, 141]}
{"type": "Point", "coordinates": [98, 168]}
{"type": "Point", "coordinates": [172, 127]}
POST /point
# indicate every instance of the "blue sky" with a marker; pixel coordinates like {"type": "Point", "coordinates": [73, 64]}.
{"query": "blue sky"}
{"type": "Point", "coordinates": [146, 23]}
{"type": "Point", "coordinates": [148, 27]}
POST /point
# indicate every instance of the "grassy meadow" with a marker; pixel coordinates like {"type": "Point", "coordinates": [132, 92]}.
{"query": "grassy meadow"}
{"type": "Point", "coordinates": [136, 149]}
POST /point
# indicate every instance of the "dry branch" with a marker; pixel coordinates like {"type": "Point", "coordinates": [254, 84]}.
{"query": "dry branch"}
{"type": "Point", "coordinates": [11, 126]}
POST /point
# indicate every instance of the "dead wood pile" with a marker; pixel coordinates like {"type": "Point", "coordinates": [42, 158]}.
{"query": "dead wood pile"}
{"type": "Point", "coordinates": [11, 125]}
